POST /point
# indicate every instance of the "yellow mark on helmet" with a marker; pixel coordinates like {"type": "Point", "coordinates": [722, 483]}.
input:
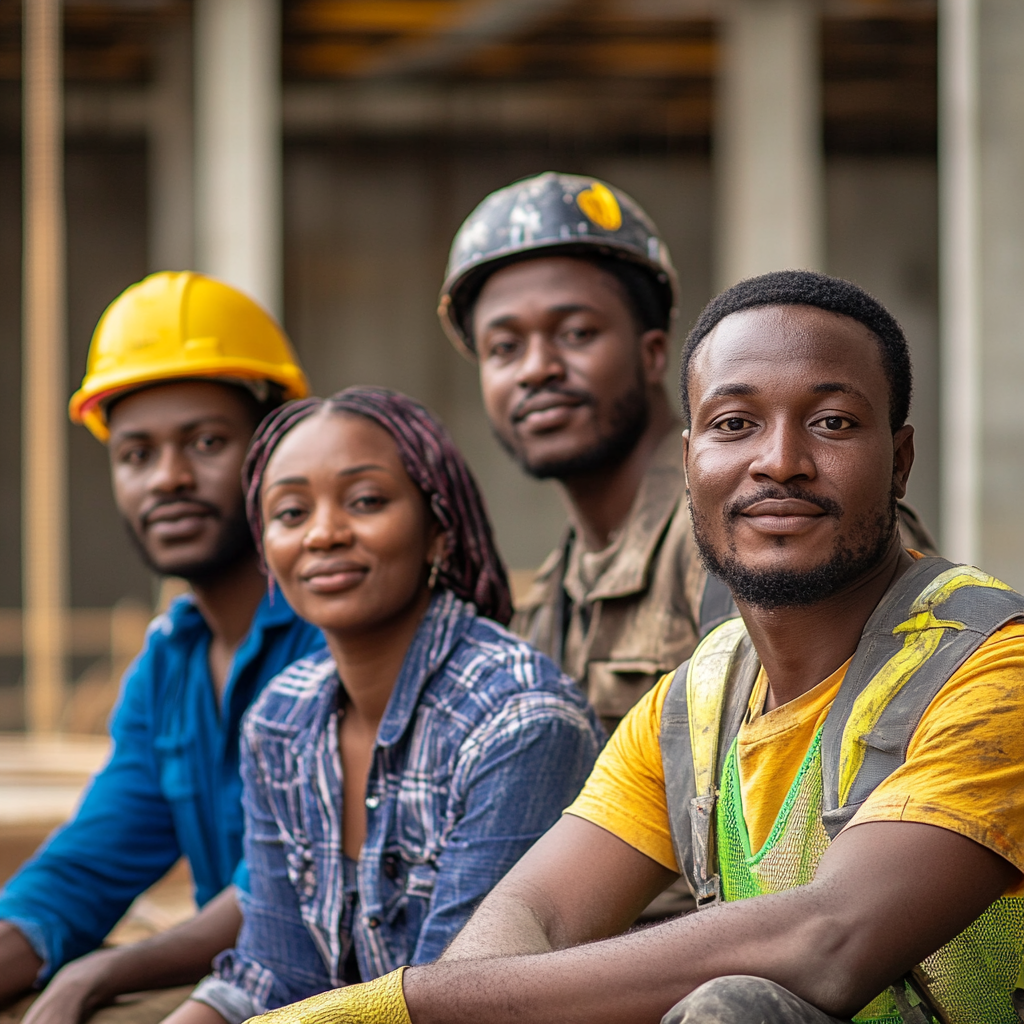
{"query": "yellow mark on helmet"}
{"type": "Point", "coordinates": [600, 206]}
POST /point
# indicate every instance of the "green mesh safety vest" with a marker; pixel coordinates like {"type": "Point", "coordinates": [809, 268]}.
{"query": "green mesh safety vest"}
{"type": "Point", "coordinates": [924, 629]}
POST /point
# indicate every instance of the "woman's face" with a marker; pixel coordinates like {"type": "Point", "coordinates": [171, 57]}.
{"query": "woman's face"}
{"type": "Point", "coordinates": [347, 533]}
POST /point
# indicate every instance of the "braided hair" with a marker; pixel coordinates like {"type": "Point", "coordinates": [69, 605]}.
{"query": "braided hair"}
{"type": "Point", "coordinates": [471, 566]}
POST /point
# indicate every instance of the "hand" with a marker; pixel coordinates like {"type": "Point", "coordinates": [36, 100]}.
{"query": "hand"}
{"type": "Point", "coordinates": [74, 992]}
{"type": "Point", "coordinates": [19, 963]}
{"type": "Point", "coordinates": [375, 1002]}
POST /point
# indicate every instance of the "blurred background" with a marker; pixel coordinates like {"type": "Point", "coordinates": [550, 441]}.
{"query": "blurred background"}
{"type": "Point", "coordinates": [322, 153]}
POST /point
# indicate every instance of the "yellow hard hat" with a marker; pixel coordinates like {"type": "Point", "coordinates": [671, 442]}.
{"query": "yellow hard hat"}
{"type": "Point", "coordinates": [172, 325]}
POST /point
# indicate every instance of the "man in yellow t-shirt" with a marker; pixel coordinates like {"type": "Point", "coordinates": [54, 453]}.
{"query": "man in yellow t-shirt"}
{"type": "Point", "coordinates": [858, 874]}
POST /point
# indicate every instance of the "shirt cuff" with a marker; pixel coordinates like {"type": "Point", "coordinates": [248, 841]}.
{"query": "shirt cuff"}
{"type": "Point", "coordinates": [35, 936]}
{"type": "Point", "coordinates": [234, 1005]}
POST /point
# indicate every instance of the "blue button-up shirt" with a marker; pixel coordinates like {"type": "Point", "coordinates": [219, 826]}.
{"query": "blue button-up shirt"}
{"type": "Point", "coordinates": [482, 745]}
{"type": "Point", "coordinates": [171, 786]}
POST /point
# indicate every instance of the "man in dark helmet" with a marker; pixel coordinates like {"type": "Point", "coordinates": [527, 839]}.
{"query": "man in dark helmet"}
{"type": "Point", "coordinates": [563, 291]}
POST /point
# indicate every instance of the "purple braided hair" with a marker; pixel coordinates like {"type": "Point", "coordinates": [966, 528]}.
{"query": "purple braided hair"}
{"type": "Point", "coordinates": [471, 566]}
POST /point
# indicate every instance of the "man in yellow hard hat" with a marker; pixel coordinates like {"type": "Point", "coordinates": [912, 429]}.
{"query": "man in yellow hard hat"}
{"type": "Point", "coordinates": [181, 370]}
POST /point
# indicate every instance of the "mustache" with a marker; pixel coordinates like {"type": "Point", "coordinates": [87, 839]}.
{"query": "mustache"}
{"type": "Point", "coordinates": [198, 503]}
{"type": "Point", "coordinates": [576, 394]}
{"type": "Point", "coordinates": [829, 506]}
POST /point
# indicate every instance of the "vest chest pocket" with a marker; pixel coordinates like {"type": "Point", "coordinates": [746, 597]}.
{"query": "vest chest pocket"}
{"type": "Point", "coordinates": [613, 687]}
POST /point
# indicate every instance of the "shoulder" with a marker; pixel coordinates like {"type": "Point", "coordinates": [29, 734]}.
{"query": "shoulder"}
{"type": "Point", "coordinates": [295, 696]}
{"type": "Point", "coordinates": [491, 674]}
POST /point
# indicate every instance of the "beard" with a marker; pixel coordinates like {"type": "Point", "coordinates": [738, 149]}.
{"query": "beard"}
{"type": "Point", "coordinates": [234, 543]}
{"type": "Point", "coordinates": [771, 589]}
{"type": "Point", "coordinates": [629, 417]}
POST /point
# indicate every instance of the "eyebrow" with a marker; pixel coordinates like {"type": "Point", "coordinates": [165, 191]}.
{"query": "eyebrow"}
{"type": "Point", "coordinates": [573, 307]}
{"type": "Point", "coordinates": [729, 390]}
{"type": "Point", "coordinates": [185, 428]}
{"type": "Point", "coordinates": [837, 387]}
{"type": "Point", "coordinates": [351, 471]}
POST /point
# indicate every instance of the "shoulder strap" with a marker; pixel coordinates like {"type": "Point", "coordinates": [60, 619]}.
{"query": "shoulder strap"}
{"type": "Point", "coordinates": [928, 624]}
{"type": "Point", "coordinates": [700, 718]}
{"type": "Point", "coordinates": [716, 605]}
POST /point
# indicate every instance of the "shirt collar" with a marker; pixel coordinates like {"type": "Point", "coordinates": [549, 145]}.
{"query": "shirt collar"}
{"type": "Point", "coordinates": [659, 495]}
{"type": "Point", "coordinates": [446, 619]}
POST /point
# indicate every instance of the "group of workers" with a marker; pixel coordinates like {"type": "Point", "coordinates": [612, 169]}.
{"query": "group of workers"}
{"type": "Point", "coordinates": [748, 751]}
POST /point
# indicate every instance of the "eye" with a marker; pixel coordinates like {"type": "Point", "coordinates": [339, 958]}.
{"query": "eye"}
{"type": "Point", "coordinates": [134, 456]}
{"type": "Point", "coordinates": [502, 347]}
{"type": "Point", "coordinates": [578, 335]}
{"type": "Point", "coordinates": [835, 423]}
{"type": "Point", "coordinates": [289, 515]}
{"type": "Point", "coordinates": [733, 424]}
{"type": "Point", "coordinates": [368, 502]}
{"type": "Point", "coordinates": [209, 444]}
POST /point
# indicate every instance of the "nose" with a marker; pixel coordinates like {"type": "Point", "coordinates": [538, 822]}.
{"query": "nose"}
{"type": "Point", "coordinates": [782, 453]}
{"type": "Point", "coordinates": [172, 473]}
{"type": "Point", "coordinates": [541, 363]}
{"type": "Point", "coordinates": [327, 527]}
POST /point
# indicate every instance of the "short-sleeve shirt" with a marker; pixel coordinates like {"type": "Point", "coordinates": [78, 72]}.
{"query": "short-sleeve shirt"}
{"type": "Point", "coordinates": [964, 769]}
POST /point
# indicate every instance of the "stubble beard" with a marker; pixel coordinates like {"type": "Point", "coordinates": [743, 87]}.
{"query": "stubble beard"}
{"type": "Point", "coordinates": [629, 418]}
{"type": "Point", "coordinates": [772, 589]}
{"type": "Point", "coordinates": [234, 544]}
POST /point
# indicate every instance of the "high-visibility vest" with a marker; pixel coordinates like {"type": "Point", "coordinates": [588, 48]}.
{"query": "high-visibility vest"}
{"type": "Point", "coordinates": [926, 626]}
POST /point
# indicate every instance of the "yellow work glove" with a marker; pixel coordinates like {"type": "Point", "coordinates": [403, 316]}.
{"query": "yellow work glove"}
{"type": "Point", "coordinates": [375, 1002]}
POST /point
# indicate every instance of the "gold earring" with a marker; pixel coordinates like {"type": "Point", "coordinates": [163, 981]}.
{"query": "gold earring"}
{"type": "Point", "coordinates": [435, 569]}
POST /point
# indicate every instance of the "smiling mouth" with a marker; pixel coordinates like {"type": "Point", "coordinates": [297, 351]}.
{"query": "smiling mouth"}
{"type": "Point", "coordinates": [336, 578]}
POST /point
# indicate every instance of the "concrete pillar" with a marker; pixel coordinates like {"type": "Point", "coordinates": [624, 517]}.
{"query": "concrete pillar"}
{"type": "Point", "coordinates": [171, 153]}
{"type": "Point", "coordinates": [44, 381]}
{"type": "Point", "coordinates": [983, 168]}
{"type": "Point", "coordinates": [238, 144]}
{"type": "Point", "coordinates": [768, 155]}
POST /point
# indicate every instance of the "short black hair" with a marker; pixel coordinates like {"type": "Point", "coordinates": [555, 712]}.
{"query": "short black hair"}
{"type": "Point", "coordinates": [832, 294]}
{"type": "Point", "coordinates": [644, 296]}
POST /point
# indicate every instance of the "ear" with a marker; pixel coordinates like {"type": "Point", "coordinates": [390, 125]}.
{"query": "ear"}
{"type": "Point", "coordinates": [437, 542]}
{"type": "Point", "coordinates": [686, 457]}
{"type": "Point", "coordinates": [654, 355]}
{"type": "Point", "coordinates": [902, 458]}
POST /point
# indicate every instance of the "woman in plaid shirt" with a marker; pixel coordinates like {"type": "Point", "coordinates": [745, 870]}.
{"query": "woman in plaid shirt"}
{"type": "Point", "coordinates": [392, 779]}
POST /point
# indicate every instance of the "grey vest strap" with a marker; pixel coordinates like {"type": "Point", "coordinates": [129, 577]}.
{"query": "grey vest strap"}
{"type": "Point", "coordinates": [937, 614]}
{"type": "Point", "coordinates": [716, 605]}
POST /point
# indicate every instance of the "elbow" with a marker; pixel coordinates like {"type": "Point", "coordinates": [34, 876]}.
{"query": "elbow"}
{"type": "Point", "coordinates": [834, 970]}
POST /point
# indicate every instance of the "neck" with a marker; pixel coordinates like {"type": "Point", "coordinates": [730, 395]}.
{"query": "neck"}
{"type": "Point", "coordinates": [229, 602]}
{"type": "Point", "coordinates": [800, 647]}
{"type": "Point", "coordinates": [600, 500]}
{"type": "Point", "coordinates": [369, 662]}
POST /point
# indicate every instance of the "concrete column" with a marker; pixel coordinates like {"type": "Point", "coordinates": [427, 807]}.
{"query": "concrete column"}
{"type": "Point", "coordinates": [44, 381]}
{"type": "Point", "coordinates": [171, 153]}
{"type": "Point", "coordinates": [768, 155]}
{"type": "Point", "coordinates": [995, 410]}
{"type": "Point", "coordinates": [238, 144]}
{"type": "Point", "coordinates": [959, 297]}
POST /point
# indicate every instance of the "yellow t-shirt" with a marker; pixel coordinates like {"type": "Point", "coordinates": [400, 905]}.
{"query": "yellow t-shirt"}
{"type": "Point", "coordinates": [964, 769]}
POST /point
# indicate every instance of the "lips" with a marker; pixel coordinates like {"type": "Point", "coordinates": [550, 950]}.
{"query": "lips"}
{"type": "Point", "coordinates": [783, 515]}
{"type": "Point", "coordinates": [177, 520]}
{"type": "Point", "coordinates": [334, 576]}
{"type": "Point", "coordinates": [547, 410]}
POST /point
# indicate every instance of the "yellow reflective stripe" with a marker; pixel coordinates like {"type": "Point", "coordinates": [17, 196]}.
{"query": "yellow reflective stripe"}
{"type": "Point", "coordinates": [705, 697]}
{"type": "Point", "coordinates": [923, 634]}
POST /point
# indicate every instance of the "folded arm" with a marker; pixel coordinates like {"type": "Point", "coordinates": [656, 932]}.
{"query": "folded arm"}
{"type": "Point", "coordinates": [885, 896]}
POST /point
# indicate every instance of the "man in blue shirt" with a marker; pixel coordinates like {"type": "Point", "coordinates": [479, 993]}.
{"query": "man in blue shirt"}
{"type": "Point", "coordinates": [181, 370]}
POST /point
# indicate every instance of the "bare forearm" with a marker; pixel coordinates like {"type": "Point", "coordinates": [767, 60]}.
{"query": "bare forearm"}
{"type": "Point", "coordinates": [179, 956]}
{"type": "Point", "coordinates": [630, 979]}
{"type": "Point", "coordinates": [19, 964]}
{"type": "Point", "coordinates": [502, 926]}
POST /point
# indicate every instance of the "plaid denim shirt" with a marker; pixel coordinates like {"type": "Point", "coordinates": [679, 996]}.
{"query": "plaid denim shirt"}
{"type": "Point", "coordinates": [483, 744]}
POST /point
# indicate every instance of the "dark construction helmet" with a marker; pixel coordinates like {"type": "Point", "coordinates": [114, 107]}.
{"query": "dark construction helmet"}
{"type": "Point", "coordinates": [547, 215]}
